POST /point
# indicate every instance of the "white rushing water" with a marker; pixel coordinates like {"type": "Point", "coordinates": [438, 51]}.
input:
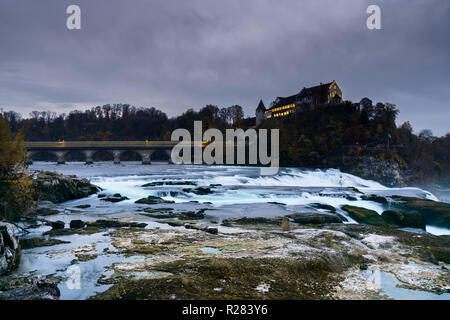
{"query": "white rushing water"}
{"type": "Point", "coordinates": [238, 190]}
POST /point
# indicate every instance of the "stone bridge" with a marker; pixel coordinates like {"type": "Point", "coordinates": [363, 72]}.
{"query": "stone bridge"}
{"type": "Point", "coordinates": [116, 148]}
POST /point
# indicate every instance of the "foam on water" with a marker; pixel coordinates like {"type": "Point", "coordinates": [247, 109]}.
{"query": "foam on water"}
{"type": "Point", "coordinates": [236, 185]}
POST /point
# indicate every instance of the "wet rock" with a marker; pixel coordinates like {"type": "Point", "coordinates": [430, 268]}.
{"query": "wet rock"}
{"type": "Point", "coordinates": [257, 220]}
{"type": "Point", "coordinates": [193, 214]}
{"type": "Point", "coordinates": [40, 289]}
{"type": "Point", "coordinates": [114, 198]}
{"type": "Point", "coordinates": [9, 248]}
{"type": "Point", "coordinates": [152, 200]}
{"type": "Point", "coordinates": [50, 186]}
{"type": "Point", "coordinates": [211, 230]}
{"type": "Point", "coordinates": [375, 198]}
{"type": "Point", "coordinates": [56, 225]}
{"type": "Point", "coordinates": [323, 206]}
{"type": "Point", "coordinates": [434, 212]}
{"type": "Point", "coordinates": [161, 215]}
{"type": "Point", "coordinates": [199, 191]}
{"type": "Point", "coordinates": [44, 212]}
{"type": "Point", "coordinates": [115, 224]}
{"type": "Point", "coordinates": [76, 224]}
{"type": "Point", "coordinates": [366, 216]}
{"type": "Point", "coordinates": [404, 219]}
{"type": "Point", "coordinates": [83, 206]}
{"type": "Point", "coordinates": [170, 183]}
{"type": "Point", "coordinates": [186, 215]}
{"type": "Point", "coordinates": [39, 242]}
{"type": "Point", "coordinates": [208, 229]}
{"type": "Point", "coordinates": [350, 198]}
{"type": "Point", "coordinates": [314, 218]}
{"type": "Point", "coordinates": [277, 203]}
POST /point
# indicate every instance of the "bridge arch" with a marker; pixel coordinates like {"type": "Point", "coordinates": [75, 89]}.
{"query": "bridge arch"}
{"type": "Point", "coordinates": [41, 156]}
{"type": "Point", "coordinates": [75, 155]}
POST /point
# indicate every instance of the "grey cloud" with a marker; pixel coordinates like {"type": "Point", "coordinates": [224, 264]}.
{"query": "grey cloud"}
{"type": "Point", "coordinates": [176, 54]}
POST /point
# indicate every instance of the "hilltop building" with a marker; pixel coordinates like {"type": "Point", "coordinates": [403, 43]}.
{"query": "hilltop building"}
{"type": "Point", "coordinates": [260, 113]}
{"type": "Point", "coordinates": [329, 93]}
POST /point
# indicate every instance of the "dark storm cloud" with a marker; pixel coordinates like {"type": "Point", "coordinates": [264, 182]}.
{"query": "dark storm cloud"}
{"type": "Point", "coordinates": [175, 54]}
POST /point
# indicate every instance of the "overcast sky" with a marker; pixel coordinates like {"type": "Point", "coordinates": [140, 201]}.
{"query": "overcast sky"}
{"type": "Point", "coordinates": [175, 54]}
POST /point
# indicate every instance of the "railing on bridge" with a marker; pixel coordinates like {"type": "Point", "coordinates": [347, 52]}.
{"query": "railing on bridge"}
{"type": "Point", "coordinates": [116, 148]}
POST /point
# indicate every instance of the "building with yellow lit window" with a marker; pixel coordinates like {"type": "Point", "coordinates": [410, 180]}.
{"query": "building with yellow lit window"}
{"type": "Point", "coordinates": [329, 93]}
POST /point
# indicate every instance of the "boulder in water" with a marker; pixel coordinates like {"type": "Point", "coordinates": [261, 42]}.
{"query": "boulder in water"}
{"type": "Point", "coordinates": [314, 218]}
{"type": "Point", "coordinates": [40, 288]}
{"type": "Point", "coordinates": [76, 224]}
{"type": "Point", "coordinates": [56, 225]}
{"type": "Point", "coordinates": [54, 187]}
{"type": "Point", "coordinates": [9, 248]}
{"type": "Point", "coordinates": [404, 219]}
{"type": "Point", "coordinates": [114, 198]}
{"type": "Point", "coordinates": [152, 200]}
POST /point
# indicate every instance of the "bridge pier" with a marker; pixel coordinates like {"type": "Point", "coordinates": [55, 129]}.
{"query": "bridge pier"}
{"type": "Point", "coordinates": [146, 156]}
{"type": "Point", "coordinates": [60, 157]}
{"type": "Point", "coordinates": [88, 154]}
{"type": "Point", "coordinates": [116, 155]}
{"type": "Point", "coordinates": [169, 153]}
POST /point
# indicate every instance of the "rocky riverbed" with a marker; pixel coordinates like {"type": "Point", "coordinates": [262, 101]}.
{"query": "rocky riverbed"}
{"type": "Point", "coordinates": [161, 232]}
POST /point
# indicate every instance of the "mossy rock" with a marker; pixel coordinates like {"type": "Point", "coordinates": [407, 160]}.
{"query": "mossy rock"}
{"type": "Point", "coordinates": [375, 198]}
{"type": "Point", "coordinates": [152, 200]}
{"type": "Point", "coordinates": [314, 218]}
{"type": "Point", "coordinates": [323, 206]}
{"type": "Point", "coordinates": [404, 219]}
{"type": "Point", "coordinates": [434, 212]}
{"type": "Point", "coordinates": [366, 216]}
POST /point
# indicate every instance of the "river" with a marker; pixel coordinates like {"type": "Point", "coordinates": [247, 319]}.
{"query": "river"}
{"type": "Point", "coordinates": [238, 192]}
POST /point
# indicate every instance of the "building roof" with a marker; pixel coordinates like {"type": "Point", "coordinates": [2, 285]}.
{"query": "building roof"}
{"type": "Point", "coordinates": [316, 91]}
{"type": "Point", "coordinates": [261, 106]}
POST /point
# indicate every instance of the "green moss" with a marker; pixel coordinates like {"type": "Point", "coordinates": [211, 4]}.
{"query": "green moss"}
{"type": "Point", "coordinates": [434, 212]}
{"type": "Point", "coordinates": [323, 206]}
{"type": "Point", "coordinates": [404, 219]}
{"type": "Point", "coordinates": [366, 216]}
{"type": "Point", "coordinates": [375, 198]}
{"type": "Point", "coordinates": [239, 278]}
